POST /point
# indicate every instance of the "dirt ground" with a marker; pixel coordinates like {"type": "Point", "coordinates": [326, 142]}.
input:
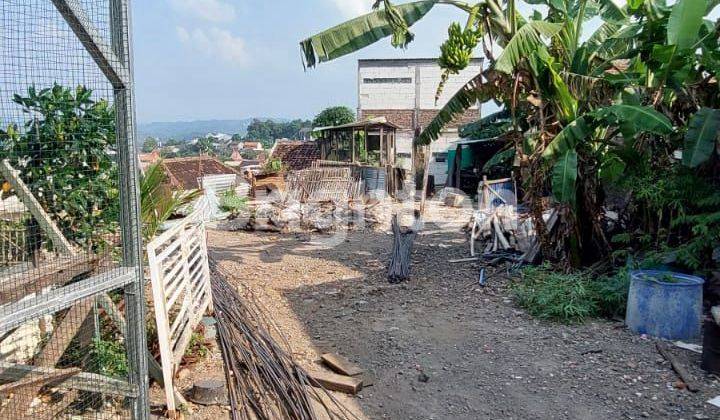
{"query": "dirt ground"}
{"type": "Point", "coordinates": [483, 358]}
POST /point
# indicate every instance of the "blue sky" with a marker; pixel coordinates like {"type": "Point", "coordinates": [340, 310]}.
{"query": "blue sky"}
{"type": "Point", "coordinates": [231, 59]}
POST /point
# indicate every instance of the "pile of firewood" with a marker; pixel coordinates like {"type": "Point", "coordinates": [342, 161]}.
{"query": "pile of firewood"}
{"type": "Point", "coordinates": [504, 228]}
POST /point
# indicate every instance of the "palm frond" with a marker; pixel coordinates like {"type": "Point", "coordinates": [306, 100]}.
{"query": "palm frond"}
{"type": "Point", "coordinates": [360, 32]}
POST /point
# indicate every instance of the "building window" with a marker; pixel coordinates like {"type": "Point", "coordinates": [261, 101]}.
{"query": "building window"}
{"type": "Point", "coordinates": [441, 157]}
{"type": "Point", "coordinates": [395, 80]}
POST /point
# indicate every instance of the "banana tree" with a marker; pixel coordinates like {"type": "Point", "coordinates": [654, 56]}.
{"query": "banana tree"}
{"type": "Point", "coordinates": [574, 100]}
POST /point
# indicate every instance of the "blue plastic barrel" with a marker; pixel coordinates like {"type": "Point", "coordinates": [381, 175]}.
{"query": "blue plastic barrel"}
{"type": "Point", "coordinates": [662, 308]}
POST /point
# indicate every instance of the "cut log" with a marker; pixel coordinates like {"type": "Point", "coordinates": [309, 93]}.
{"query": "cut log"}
{"type": "Point", "coordinates": [341, 365]}
{"type": "Point", "coordinates": [209, 392]}
{"type": "Point", "coordinates": [334, 382]}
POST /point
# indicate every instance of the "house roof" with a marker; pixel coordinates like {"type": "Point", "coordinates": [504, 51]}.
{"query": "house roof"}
{"type": "Point", "coordinates": [408, 61]}
{"type": "Point", "coordinates": [369, 123]}
{"type": "Point", "coordinates": [185, 172]}
{"type": "Point", "coordinates": [296, 155]}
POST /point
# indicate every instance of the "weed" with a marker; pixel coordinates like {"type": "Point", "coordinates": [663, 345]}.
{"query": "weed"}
{"type": "Point", "coordinates": [197, 348]}
{"type": "Point", "coordinates": [108, 358]}
{"type": "Point", "coordinates": [612, 293]}
{"type": "Point", "coordinates": [546, 294]}
{"type": "Point", "coordinates": [573, 297]}
{"type": "Point", "coordinates": [232, 203]}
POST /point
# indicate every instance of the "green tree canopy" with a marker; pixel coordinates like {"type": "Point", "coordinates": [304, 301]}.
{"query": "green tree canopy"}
{"type": "Point", "coordinates": [64, 154]}
{"type": "Point", "coordinates": [149, 144]}
{"type": "Point", "coordinates": [267, 131]}
{"type": "Point", "coordinates": [335, 115]}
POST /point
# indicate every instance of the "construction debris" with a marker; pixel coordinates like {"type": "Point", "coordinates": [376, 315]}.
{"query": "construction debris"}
{"type": "Point", "coordinates": [504, 228]}
{"type": "Point", "coordinates": [695, 348]}
{"type": "Point", "coordinates": [715, 311]}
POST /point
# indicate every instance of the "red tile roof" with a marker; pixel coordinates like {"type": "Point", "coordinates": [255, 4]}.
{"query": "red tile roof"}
{"type": "Point", "coordinates": [185, 172]}
{"type": "Point", "coordinates": [296, 155]}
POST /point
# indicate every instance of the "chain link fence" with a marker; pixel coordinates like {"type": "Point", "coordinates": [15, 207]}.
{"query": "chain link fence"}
{"type": "Point", "coordinates": [72, 326]}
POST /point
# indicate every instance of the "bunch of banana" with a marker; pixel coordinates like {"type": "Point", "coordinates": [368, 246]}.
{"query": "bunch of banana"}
{"type": "Point", "coordinates": [456, 52]}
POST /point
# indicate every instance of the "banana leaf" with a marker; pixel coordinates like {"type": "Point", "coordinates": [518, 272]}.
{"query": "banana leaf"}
{"type": "Point", "coordinates": [701, 137]}
{"type": "Point", "coordinates": [569, 137]}
{"type": "Point", "coordinates": [358, 33]}
{"type": "Point", "coordinates": [564, 178]}
{"type": "Point", "coordinates": [469, 95]}
{"type": "Point", "coordinates": [500, 158]}
{"type": "Point", "coordinates": [633, 119]}
{"type": "Point", "coordinates": [684, 22]}
{"type": "Point", "coordinates": [525, 42]}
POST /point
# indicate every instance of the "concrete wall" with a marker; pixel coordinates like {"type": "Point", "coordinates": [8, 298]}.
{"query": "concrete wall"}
{"type": "Point", "coordinates": [403, 91]}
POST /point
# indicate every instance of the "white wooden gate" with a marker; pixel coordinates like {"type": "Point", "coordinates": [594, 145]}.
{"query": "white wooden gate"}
{"type": "Point", "coordinates": [180, 277]}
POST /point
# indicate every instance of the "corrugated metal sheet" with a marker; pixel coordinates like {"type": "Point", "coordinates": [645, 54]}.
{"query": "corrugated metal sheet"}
{"type": "Point", "coordinates": [218, 183]}
{"type": "Point", "coordinates": [375, 182]}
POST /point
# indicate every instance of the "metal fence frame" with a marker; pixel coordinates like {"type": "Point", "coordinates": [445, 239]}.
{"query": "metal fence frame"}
{"type": "Point", "coordinates": [114, 59]}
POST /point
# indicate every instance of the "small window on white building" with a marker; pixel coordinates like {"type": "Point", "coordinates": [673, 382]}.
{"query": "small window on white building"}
{"type": "Point", "coordinates": [393, 80]}
{"type": "Point", "coordinates": [441, 157]}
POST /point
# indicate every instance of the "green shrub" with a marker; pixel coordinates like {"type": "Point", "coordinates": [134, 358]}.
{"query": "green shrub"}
{"type": "Point", "coordinates": [64, 153]}
{"type": "Point", "coordinates": [556, 296]}
{"type": "Point", "coordinates": [232, 202]}
{"type": "Point", "coordinates": [573, 297]}
{"type": "Point", "coordinates": [612, 293]}
{"type": "Point", "coordinates": [108, 358]}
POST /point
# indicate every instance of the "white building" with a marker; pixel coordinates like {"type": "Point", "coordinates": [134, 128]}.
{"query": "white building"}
{"type": "Point", "coordinates": [403, 91]}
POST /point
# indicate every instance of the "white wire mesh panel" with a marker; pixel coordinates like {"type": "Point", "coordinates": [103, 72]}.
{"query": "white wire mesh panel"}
{"type": "Point", "coordinates": [65, 206]}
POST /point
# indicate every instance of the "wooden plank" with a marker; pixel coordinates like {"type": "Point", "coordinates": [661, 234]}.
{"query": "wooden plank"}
{"type": "Point", "coordinates": [34, 280]}
{"type": "Point", "coordinates": [677, 367]}
{"type": "Point", "coordinates": [334, 382]}
{"type": "Point", "coordinates": [51, 353]}
{"type": "Point", "coordinates": [28, 199]}
{"type": "Point", "coordinates": [179, 287]}
{"type": "Point", "coordinates": [83, 381]}
{"type": "Point", "coordinates": [341, 365]}
{"type": "Point", "coordinates": [39, 379]}
{"type": "Point", "coordinates": [462, 260]}
{"type": "Point", "coordinates": [163, 328]}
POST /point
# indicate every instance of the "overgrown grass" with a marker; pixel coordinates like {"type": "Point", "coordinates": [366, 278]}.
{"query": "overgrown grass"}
{"type": "Point", "coordinates": [570, 298]}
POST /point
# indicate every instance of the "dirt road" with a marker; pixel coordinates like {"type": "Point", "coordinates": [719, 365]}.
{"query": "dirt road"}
{"type": "Point", "coordinates": [480, 355]}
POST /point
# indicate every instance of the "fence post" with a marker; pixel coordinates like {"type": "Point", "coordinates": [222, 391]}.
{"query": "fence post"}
{"type": "Point", "coordinates": [136, 340]}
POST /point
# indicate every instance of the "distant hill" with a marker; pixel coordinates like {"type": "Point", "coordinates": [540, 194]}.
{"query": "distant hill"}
{"type": "Point", "coordinates": [188, 130]}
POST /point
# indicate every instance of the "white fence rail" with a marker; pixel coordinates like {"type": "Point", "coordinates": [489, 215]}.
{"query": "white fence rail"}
{"type": "Point", "coordinates": [180, 277]}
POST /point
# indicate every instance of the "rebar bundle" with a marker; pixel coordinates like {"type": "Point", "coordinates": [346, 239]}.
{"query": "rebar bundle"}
{"type": "Point", "coordinates": [263, 380]}
{"type": "Point", "coordinates": [403, 239]}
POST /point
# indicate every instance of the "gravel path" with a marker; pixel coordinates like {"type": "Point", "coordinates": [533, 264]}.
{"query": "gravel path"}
{"type": "Point", "coordinates": [439, 346]}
